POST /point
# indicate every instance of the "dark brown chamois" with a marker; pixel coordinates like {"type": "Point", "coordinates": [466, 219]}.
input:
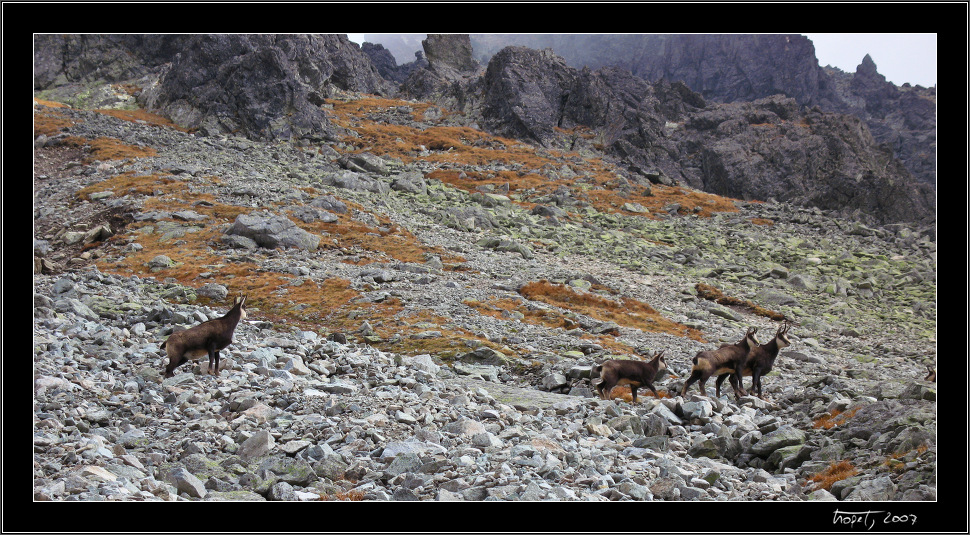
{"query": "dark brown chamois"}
{"type": "Point", "coordinates": [931, 376]}
{"type": "Point", "coordinates": [206, 338]}
{"type": "Point", "coordinates": [727, 359]}
{"type": "Point", "coordinates": [635, 373]}
{"type": "Point", "coordinates": [760, 359]}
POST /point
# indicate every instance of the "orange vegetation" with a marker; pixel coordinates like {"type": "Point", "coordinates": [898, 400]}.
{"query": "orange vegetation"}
{"type": "Point", "coordinates": [713, 294]}
{"type": "Point", "coordinates": [142, 116]}
{"type": "Point", "coordinates": [381, 244]}
{"type": "Point", "coordinates": [835, 472]}
{"type": "Point", "coordinates": [49, 121]}
{"type": "Point", "coordinates": [106, 148]}
{"type": "Point", "coordinates": [458, 150]}
{"type": "Point", "coordinates": [626, 312]}
{"type": "Point", "coordinates": [350, 495]}
{"type": "Point", "coordinates": [623, 392]}
{"type": "Point", "coordinates": [833, 418]}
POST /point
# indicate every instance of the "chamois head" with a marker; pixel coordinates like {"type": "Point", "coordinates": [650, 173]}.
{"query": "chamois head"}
{"type": "Point", "coordinates": [782, 334]}
{"type": "Point", "coordinates": [931, 375]}
{"type": "Point", "coordinates": [241, 303]}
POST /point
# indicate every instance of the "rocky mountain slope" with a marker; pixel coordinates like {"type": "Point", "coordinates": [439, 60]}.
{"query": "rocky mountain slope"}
{"type": "Point", "coordinates": [426, 303]}
{"type": "Point", "coordinates": [745, 68]}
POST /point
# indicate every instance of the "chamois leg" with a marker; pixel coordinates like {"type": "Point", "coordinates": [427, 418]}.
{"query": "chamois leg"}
{"type": "Point", "coordinates": [633, 390]}
{"type": "Point", "coordinates": [704, 387]}
{"type": "Point", "coordinates": [170, 368]}
{"type": "Point", "coordinates": [756, 383]}
{"type": "Point", "coordinates": [604, 389]}
{"type": "Point", "coordinates": [737, 383]}
{"type": "Point", "coordinates": [718, 383]}
{"type": "Point", "coordinates": [691, 380]}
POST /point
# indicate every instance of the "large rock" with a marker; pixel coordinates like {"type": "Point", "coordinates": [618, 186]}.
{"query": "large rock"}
{"type": "Point", "coordinates": [779, 438]}
{"type": "Point", "coordinates": [266, 86]}
{"type": "Point", "coordinates": [272, 231]}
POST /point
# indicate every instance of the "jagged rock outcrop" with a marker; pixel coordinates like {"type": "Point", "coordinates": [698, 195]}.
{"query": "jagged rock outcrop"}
{"type": "Point", "coordinates": [720, 67]}
{"type": "Point", "coordinates": [68, 59]}
{"type": "Point", "coordinates": [450, 72]}
{"type": "Point", "coordinates": [770, 148]}
{"type": "Point", "coordinates": [903, 118]}
{"type": "Point", "coordinates": [264, 86]}
{"type": "Point", "coordinates": [729, 68]}
{"type": "Point", "coordinates": [523, 93]}
{"type": "Point", "coordinates": [267, 86]}
{"type": "Point", "coordinates": [387, 66]}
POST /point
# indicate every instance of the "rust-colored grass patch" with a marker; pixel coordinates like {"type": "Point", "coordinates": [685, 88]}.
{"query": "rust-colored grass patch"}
{"type": "Point", "coordinates": [626, 312]}
{"type": "Point", "coordinates": [106, 148]}
{"type": "Point", "coordinates": [386, 242]}
{"type": "Point", "coordinates": [762, 221]}
{"type": "Point", "coordinates": [711, 293]}
{"type": "Point", "coordinates": [456, 149]}
{"type": "Point", "coordinates": [50, 121]}
{"type": "Point", "coordinates": [892, 462]}
{"type": "Point", "coordinates": [348, 496]}
{"type": "Point", "coordinates": [367, 105]}
{"type": "Point", "coordinates": [506, 308]}
{"type": "Point", "coordinates": [624, 393]}
{"type": "Point", "coordinates": [128, 183]}
{"type": "Point", "coordinates": [50, 103]}
{"type": "Point", "coordinates": [834, 473]}
{"type": "Point", "coordinates": [142, 116]}
{"type": "Point", "coordinates": [833, 418]}
{"type": "Point", "coordinates": [606, 198]}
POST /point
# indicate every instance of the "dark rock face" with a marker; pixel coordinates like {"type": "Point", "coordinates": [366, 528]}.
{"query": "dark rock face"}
{"type": "Point", "coordinates": [387, 66]}
{"type": "Point", "coordinates": [769, 148]}
{"type": "Point", "coordinates": [267, 86]}
{"type": "Point", "coordinates": [62, 59]}
{"type": "Point", "coordinates": [263, 86]}
{"type": "Point", "coordinates": [449, 75]}
{"type": "Point", "coordinates": [524, 91]}
{"type": "Point", "coordinates": [729, 68]}
{"type": "Point", "coordinates": [719, 67]}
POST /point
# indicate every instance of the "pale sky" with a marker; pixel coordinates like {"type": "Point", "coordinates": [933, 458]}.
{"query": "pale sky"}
{"type": "Point", "coordinates": [900, 57]}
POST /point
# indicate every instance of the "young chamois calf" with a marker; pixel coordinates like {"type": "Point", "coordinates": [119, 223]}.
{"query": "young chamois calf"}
{"type": "Point", "coordinates": [635, 373]}
{"type": "Point", "coordinates": [760, 360]}
{"type": "Point", "coordinates": [727, 359]}
{"type": "Point", "coordinates": [206, 338]}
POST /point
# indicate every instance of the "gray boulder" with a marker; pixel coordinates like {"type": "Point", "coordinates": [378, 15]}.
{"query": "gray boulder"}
{"type": "Point", "coordinates": [272, 231]}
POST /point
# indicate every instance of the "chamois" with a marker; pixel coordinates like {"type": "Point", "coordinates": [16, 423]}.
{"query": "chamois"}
{"type": "Point", "coordinates": [760, 359]}
{"type": "Point", "coordinates": [931, 376]}
{"type": "Point", "coordinates": [635, 373]}
{"type": "Point", "coordinates": [727, 359]}
{"type": "Point", "coordinates": [206, 338]}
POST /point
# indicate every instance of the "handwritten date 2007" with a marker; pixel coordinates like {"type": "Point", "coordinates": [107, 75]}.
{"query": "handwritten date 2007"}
{"type": "Point", "coordinates": [868, 519]}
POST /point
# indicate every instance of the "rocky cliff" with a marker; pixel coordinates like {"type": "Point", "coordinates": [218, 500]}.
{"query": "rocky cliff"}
{"type": "Point", "coordinates": [768, 148]}
{"type": "Point", "coordinates": [733, 68]}
{"type": "Point", "coordinates": [271, 87]}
